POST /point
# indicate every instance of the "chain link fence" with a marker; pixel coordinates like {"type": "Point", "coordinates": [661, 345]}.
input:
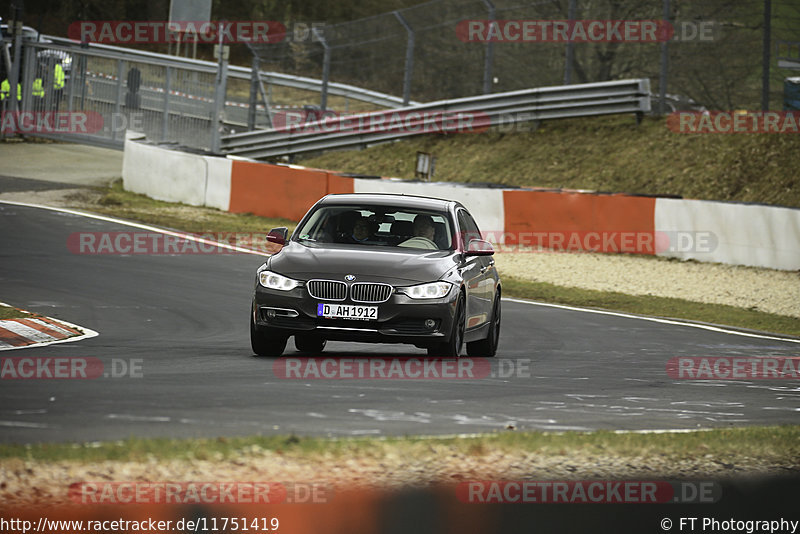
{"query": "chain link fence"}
{"type": "Point", "coordinates": [714, 57]}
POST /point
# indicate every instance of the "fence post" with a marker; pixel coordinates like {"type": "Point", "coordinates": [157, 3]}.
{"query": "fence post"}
{"type": "Point", "coordinates": [488, 59]}
{"type": "Point", "coordinates": [26, 77]}
{"type": "Point", "coordinates": [765, 55]}
{"type": "Point", "coordinates": [118, 101]}
{"type": "Point", "coordinates": [219, 95]}
{"type": "Point", "coordinates": [569, 56]}
{"type": "Point", "coordinates": [251, 113]}
{"type": "Point", "coordinates": [326, 68]}
{"type": "Point", "coordinates": [16, 73]}
{"type": "Point", "coordinates": [662, 77]}
{"type": "Point", "coordinates": [409, 67]}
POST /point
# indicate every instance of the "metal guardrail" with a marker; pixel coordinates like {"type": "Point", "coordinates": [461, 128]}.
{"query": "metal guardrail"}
{"type": "Point", "coordinates": [580, 100]}
{"type": "Point", "coordinates": [244, 73]}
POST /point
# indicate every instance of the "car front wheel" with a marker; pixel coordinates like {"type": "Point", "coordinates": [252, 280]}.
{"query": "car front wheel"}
{"type": "Point", "coordinates": [263, 345]}
{"type": "Point", "coordinates": [452, 347]}
{"type": "Point", "coordinates": [487, 347]}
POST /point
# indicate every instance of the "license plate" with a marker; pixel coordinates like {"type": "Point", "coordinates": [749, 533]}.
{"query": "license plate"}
{"type": "Point", "coordinates": [345, 311]}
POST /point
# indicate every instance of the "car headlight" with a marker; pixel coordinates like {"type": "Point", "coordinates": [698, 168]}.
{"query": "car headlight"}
{"type": "Point", "coordinates": [433, 290]}
{"type": "Point", "coordinates": [277, 281]}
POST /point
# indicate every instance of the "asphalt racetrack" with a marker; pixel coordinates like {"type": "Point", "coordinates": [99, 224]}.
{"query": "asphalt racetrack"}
{"type": "Point", "coordinates": [182, 321]}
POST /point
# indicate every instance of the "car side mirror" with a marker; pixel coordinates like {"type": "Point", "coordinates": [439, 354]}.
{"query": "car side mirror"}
{"type": "Point", "coordinates": [479, 247]}
{"type": "Point", "coordinates": [279, 235]}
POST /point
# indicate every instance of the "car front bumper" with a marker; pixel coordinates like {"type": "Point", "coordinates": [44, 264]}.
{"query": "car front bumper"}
{"type": "Point", "coordinates": [401, 319]}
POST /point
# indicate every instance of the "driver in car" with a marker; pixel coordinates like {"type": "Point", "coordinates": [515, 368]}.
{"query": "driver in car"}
{"type": "Point", "coordinates": [424, 231]}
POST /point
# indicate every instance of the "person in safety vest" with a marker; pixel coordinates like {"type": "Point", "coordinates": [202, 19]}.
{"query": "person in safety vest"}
{"type": "Point", "coordinates": [58, 84]}
{"type": "Point", "coordinates": [37, 89]}
{"type": "Point", "coordinates": [5, 90]}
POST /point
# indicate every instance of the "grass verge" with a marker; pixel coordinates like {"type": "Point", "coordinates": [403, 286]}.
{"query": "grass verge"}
{"type": "Point", "coordinates": [762, 442]}
{"type": "Point", "coordinates": [117, 202]}
{"type": "Point", "coordinates": [10, 312]}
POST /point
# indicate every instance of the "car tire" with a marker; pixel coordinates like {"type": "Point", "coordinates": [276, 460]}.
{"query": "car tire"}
{"type": "Point", "coordinates": [452, 347]}
{"type": "Point", "coordinates": [263, 345]}
{"type": "Point", "coordinates": [310, 344]}
{"type": "Point", "coordinates": [487, 347]}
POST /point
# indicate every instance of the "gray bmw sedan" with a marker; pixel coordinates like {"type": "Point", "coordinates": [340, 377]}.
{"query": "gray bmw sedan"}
{"type": "Point", "coordinates": [379, 268]}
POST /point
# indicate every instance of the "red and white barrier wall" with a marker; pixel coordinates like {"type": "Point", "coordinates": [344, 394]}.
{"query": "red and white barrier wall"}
{"type": "Point", "coordinates": [745, 234]}
{"type": "Point", "coordinates": [739, 234]}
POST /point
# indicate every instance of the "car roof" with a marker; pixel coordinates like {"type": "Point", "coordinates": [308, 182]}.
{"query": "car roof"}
{"type": "Point", "coordinates": [388, 199]}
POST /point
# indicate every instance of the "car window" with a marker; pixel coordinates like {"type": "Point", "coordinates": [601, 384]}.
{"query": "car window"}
{"type": "Point", "coordinates": [377, 226]}
{"type": "Point", "coordinates": [468, 228]}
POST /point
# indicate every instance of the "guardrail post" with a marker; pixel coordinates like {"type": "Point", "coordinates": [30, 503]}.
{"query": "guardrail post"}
{"type": "Point", "coordinates": [570, 53]}
{"type": "Point", "coordinates": [326, 68]}
{"type": "Point", "coordinates": [409, 66]}
{"type": "Point", "coordinates": [488, 59]}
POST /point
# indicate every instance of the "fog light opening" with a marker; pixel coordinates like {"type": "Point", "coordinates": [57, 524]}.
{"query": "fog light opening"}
{"type": "Point", "coordinates": [429, 323]}
{"type": "Point", "coordinates": [271, 314]}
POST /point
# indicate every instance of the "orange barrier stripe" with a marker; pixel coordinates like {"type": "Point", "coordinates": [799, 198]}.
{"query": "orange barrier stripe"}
{"type": "Point", "coordinates": [277, 191]}
{"type": "Point", "coordinates": [548, 211]}
{"type": "Point", "coordinates": [340, 184]}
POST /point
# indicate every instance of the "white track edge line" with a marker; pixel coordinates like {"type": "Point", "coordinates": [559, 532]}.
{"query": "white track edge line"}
{"type": "Point", "coordinates": [142, 226]}
{"type": "Point", "coordinates": [655, 320]}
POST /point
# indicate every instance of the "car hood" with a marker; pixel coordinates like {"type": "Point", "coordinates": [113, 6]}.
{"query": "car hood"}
{"type": "Point", "coordinates": [368, 264]}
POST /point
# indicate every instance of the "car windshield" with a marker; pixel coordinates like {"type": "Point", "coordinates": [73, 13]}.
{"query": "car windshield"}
{"type": "Point", "coordinates": [378, 226]}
